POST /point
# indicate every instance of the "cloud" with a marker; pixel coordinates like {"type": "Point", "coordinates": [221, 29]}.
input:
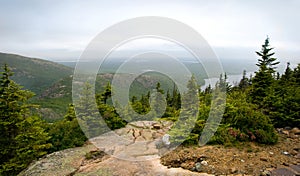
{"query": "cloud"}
{"type": "Point", "coordinates": [58, 30]}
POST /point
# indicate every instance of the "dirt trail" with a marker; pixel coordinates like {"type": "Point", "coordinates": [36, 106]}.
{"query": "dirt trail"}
{"type": "Point", "coordinates": [282, 159]}
{"type": "Point", "coordinates": [136, 151]}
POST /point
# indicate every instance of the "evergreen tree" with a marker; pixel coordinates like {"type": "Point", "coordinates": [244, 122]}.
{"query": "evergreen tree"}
{"type": "Point", "coordinates": [208, 89]}
{"type": "Point", "coordinates": [176, 98]}
{"type": "Point", "coordinates": [158, 101]}
{"type": "Point", "coordinates": [264, 78]}
{"type": "Point", "coordinates": [287, 74]}
{"type": "Point", "coordinates": [66, 133]}
{"type": "Point", "coordinates": [266, 62]}
{"type": "Point", "coordinates": [159, 89]}
{"type": "Point", "coordinates": [22, 137]}
{"type": "Point", "coordinates": [222, 84]}
{"type": "Point", "coordinates": [188, 115]}
{"type": "Point", "coordinates": [110, 119]}
{"type": "Point", "coordinates": [284, 104]}
{"type": "Point", "coordinates": [145, 103]}
{"type": "Point", "coordinates": [244, 83]}
{"type": "Point", "coordinates": [107, 93]}
{"type": "Point", "coordinates": [70, 116]}
{"type": "Point", "coordinates": [88, 114]}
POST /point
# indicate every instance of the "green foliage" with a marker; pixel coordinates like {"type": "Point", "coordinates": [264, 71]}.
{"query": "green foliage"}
{"type": "Point", "coordinates": [66, 133]}
{"type": "Point", "coordinates": [55, 99]}
{"type": "Point", "coordinates": [111, 118]}
{"type": "Point", "coordinates": [107, 93]}
{"type": "Point", "coordinates": [189, 113]}
{"type": "Point", "coordinates": [93, 123]}
{"type": "Point", "coordinates": [88, 115]}
{"type": "Point", "coordinates": [223, 137]}
{"type": "Point", "coordinates": [22, 137]}
{"type": "Point", "coordinates": [284, 102]}
{"type": "Point", "coordinates": [222, 84]}
{"type": "Point", "coordinates": [248, 120]}
{"type": "Point", "coordinates": [278, 98]}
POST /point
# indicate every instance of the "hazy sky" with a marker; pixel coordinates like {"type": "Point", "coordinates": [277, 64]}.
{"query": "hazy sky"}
{"type": "Point", "coordinates": [60, 30]}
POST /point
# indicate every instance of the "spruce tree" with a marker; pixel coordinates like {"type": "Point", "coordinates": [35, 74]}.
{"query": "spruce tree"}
{"type": "Point", "coordinates": [285, 104]}
{"type": "Point", "coordinates": [180, 132]}
{"type": "Point", "coordinates": [88, 114]}
{"type": "Point", "coordinates": [266, 62]}
{"type": "Point", "coordinates": [244, 83]}
{"type": "Point", "coordinates": [264, 77]}
{"type": "Point", "coordinates": [107, 93]}
{"type": "Point", "coordinates": [22, 137]}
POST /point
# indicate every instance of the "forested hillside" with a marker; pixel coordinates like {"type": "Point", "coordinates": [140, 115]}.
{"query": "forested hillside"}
{"type": "Point", "coordinates": [34, 74]}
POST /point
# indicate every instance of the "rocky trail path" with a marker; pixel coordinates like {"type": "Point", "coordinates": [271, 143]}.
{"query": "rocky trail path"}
{"type": "Point", "coordinates": [138, 150]}
{"type": "Point", "coordinates": [130, 151]}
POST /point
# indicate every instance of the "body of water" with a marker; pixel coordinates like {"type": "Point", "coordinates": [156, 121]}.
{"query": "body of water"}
{"type": "Point", "coordinates": [232, 79]}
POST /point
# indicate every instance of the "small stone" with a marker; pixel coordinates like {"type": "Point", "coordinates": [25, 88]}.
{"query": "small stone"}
{"type": "Point", "coordinates": [204, 163]}
{"type": "Point", "coordinates": [285, 153]}
{"type": "Point", "coordinates": [263, 159]}
{"type": "Point", "coordinates": [166, 140]}
{"type": "Point", "coordinates": [242, 160]}
{"type": "Point", "coordinates": [271, 153]}
{"type": "Point", "coordinates": [198, 167]}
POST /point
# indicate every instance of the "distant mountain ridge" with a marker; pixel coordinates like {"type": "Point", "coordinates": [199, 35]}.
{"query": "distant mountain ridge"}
{"type": "Point", "coordinates": [33, 73]}
{"type": "Point", "coordinates": [52, 82]}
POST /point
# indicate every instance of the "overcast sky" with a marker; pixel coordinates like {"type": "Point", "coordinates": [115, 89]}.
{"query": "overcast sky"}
{"type": "Point", "coordinates": [60, 30]}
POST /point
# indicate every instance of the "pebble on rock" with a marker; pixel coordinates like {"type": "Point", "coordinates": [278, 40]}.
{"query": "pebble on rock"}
{"type": "Point", "coordinates": [198, 167]}
{"type": "Point", "coordinates": [285, 153]}
{"type": "Point", "coordinates": [204, 163]}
